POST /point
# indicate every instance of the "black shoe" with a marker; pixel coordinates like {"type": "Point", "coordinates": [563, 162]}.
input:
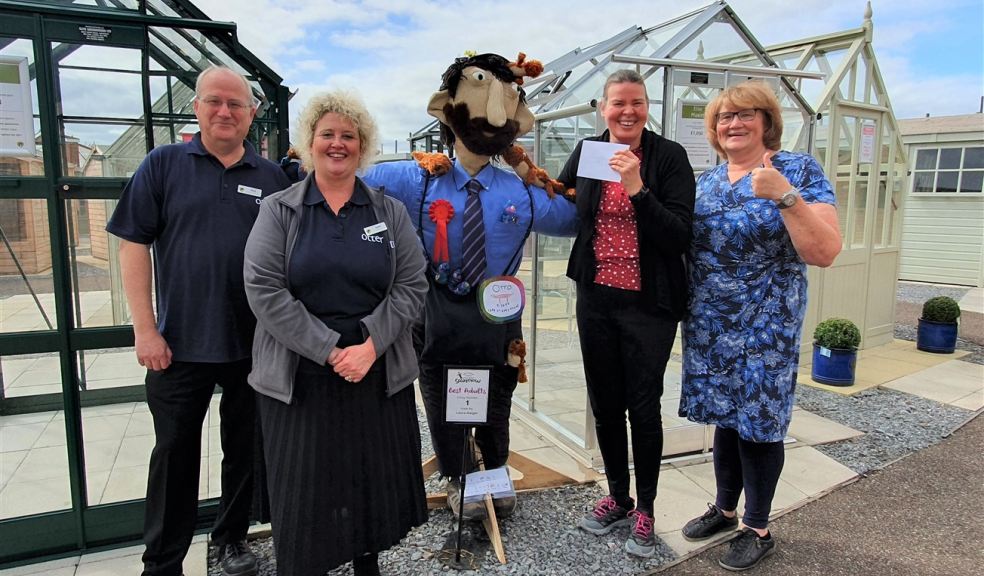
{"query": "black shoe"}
{"type": "Point", "coordinates": [712, 522]}
{"type": "Point", "coordinates": [367, 565]}
{"type": "Point", "coordinates": [747, 550]}
{"type": "Point", "coordinates": [237, 559]}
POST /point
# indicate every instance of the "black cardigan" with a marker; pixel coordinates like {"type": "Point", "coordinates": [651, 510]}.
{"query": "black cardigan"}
{"type": "Point", "coordinates": [663, 218]}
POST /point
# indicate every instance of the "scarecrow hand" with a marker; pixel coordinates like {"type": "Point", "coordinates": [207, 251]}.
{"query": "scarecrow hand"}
{"type": "Point", "coordinates": [530, 173]}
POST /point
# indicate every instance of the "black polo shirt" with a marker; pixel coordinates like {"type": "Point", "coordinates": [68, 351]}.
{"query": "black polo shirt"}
{"type": "Point", "coordinates": [197, 214]}
{"type": "Point", "coordinates": [337, 270]}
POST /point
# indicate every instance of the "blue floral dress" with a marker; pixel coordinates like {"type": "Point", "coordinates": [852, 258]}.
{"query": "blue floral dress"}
{"type": "Point", "coordinates": [748, 300]}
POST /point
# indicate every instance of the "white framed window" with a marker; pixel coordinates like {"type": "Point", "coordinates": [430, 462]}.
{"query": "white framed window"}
{"type": "Point", "coordinates": [949, 170]}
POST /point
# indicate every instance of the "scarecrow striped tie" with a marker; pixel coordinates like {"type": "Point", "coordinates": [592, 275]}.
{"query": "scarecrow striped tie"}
{"type": "Point", "coordinates": [473, 230]}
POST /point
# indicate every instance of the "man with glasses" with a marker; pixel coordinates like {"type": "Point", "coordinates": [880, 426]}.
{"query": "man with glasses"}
{"type": "Point", "coordinates": [194, 204]}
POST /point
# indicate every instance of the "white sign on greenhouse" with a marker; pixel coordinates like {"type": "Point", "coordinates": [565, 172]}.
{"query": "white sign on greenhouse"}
{"type": "Point", "coordinates": [16, 114]}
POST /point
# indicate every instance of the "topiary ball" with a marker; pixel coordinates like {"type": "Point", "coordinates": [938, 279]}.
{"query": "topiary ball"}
{"type": "Point", "coordinates": [941, 309]}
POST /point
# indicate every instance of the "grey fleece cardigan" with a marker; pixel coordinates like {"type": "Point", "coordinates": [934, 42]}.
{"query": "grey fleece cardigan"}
{"type": "Point", "coordinates": [285, 330]}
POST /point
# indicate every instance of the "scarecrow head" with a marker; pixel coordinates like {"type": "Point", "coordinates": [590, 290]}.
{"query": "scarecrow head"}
{"type": "Point", "coordinates": [481, 104]}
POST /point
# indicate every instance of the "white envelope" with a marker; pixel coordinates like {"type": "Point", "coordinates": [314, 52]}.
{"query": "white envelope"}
{"type": "Point", "coordinates": [594, 160]}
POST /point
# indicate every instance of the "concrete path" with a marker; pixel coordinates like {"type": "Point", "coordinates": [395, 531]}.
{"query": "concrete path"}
{"type": "Point", "coordinates": [920, 516]}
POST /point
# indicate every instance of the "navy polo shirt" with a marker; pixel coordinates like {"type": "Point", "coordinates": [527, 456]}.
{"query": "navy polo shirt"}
{"type": "Point", "coordinates": [338, 271]}
{"type": "Point", "coordinates": [197, 214]}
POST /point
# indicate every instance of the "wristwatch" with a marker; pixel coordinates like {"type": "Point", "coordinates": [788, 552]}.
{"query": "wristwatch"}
{"type": "Point", "coordinates": [640, 194]}
{"type": "Point", "coordinates": [788, 199]}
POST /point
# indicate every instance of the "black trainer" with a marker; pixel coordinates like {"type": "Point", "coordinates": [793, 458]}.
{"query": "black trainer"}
{"type": "Point", "coordinates": [712, 522]}
{"type": "Point", "coordinates": [747, 550]}
{"type": "Point", "coordinates": [237, 559]}
{"type": "Point", "coordinates": [606, 516]}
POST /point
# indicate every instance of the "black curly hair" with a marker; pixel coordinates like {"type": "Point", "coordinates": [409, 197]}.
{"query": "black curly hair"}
{"type": "Point", "coordinates": [492, 63]}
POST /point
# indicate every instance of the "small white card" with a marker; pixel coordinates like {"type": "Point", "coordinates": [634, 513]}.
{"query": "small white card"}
{"type": "Point", "coordinates": [250, 191]}
{"type": "Point", "coordinates": [494, 482]}
{"type": "Point", "coordinates": [594, 160]}
{"type": "Point", "coordinates": [374, 229]}
{"type": "Point", "coordinates": [467, 394]}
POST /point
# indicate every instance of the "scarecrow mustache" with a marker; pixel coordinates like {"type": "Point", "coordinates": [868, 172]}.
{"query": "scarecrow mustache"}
{"type": "Point", "coordinates": [477, 134]}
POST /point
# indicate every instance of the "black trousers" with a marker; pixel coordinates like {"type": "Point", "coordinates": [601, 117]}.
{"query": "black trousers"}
{"type": "Point", "coordinates": [492, 438]}
{"type": "Point", "coordinates": [625, 347]}
{"type": "Point", "coordinates": [178, 398]}
{"type": "Point", "coordinates": [750, 466]}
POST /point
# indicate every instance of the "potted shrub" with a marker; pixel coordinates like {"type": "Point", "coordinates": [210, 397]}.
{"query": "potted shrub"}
{"type": "Point", "coordinates": [835, 352]}
{"type": "Point", "coordinates": [938, 325]}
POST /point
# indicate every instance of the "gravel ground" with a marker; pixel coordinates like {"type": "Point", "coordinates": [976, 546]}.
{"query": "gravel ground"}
{"type": "Point", "coordinates": [895, 424]}
{"type": "Point", "coordinates": [919, 292]}
{"type": "Point", "coordinates": [542, 538]}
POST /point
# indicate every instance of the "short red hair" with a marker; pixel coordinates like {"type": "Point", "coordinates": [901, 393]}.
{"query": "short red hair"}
{"type": "Point", "coordinates": [750, 94]}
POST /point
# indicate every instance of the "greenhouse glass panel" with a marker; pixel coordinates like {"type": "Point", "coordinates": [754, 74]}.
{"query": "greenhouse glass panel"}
{"type": "Point", "coordinates": [862, 88]}
{"type": "Point", "coordinates": [588, 88]}
{"type": "Point", "coordinates": [718, 39]}
{"type": "Point", "coordinates": [663, 33]}
{"type": "Point", "coordinates": [829, 61]}
{"type": "Point", "coordinates": [28, 299]}
{"type": "Point", "coordinates": [89, 56]}
{"type": "Point", "coordinates": [131, 5]}
{"type": "Point", "coordinates": [96, 93]}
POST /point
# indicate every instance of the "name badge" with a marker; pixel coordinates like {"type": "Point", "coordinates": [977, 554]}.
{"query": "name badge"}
{"type": "Point", "coordinates": [250, 191]}
{"type": "Point", "coordinates": [374, 229]}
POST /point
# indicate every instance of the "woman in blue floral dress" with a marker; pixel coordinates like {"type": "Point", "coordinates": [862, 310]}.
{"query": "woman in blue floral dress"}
{"type": "Point", "coordinates": [759, 219]}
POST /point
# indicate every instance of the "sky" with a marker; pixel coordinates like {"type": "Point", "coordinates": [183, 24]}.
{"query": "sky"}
{"type": "Point", "coordinates": [393, 52]}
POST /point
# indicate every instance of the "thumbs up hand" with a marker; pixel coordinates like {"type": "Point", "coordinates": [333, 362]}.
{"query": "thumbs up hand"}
{"type": "Point", "coordinates": [767, 182]}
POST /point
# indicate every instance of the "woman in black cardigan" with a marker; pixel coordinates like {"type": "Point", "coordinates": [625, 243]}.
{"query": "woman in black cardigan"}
{"type": "Point", "coordinates": [628, 262]}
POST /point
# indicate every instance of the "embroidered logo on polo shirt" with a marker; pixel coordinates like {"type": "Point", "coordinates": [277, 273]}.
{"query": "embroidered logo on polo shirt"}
{"type": "Point", "coordinates": [373, 239]}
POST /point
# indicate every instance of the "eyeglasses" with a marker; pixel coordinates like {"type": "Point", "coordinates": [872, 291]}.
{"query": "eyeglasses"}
{"type": "Point", "coordinates": [748, 115]}
{"type": "Point", "coordinates": [234, 106]}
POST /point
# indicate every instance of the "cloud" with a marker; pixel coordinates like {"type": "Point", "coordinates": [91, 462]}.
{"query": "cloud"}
{"type": "Point", "coordinates": [394, 51]}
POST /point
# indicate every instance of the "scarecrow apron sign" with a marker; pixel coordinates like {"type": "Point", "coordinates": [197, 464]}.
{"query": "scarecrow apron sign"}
{"type": "Point", "coordinates": [501, 299]}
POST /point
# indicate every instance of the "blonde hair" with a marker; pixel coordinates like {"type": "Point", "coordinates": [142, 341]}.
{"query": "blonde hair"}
{"type": "Point", "coordinates": [346, 105]}
{"type": "Point", "coordinates": [750, 94]}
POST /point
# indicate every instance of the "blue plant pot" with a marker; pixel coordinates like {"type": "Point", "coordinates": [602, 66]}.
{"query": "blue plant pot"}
{"type": "Point", "coordinates": [834, 366]}
{"type": "Point", "coordinates": [936, 337]}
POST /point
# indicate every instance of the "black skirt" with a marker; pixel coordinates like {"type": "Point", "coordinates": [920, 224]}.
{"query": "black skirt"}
{"type": "Point", "coordinates": [343, 467]}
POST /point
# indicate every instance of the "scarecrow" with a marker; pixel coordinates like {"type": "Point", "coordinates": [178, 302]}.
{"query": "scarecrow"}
{"type": "Point", "coordinates": [473, 219]}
